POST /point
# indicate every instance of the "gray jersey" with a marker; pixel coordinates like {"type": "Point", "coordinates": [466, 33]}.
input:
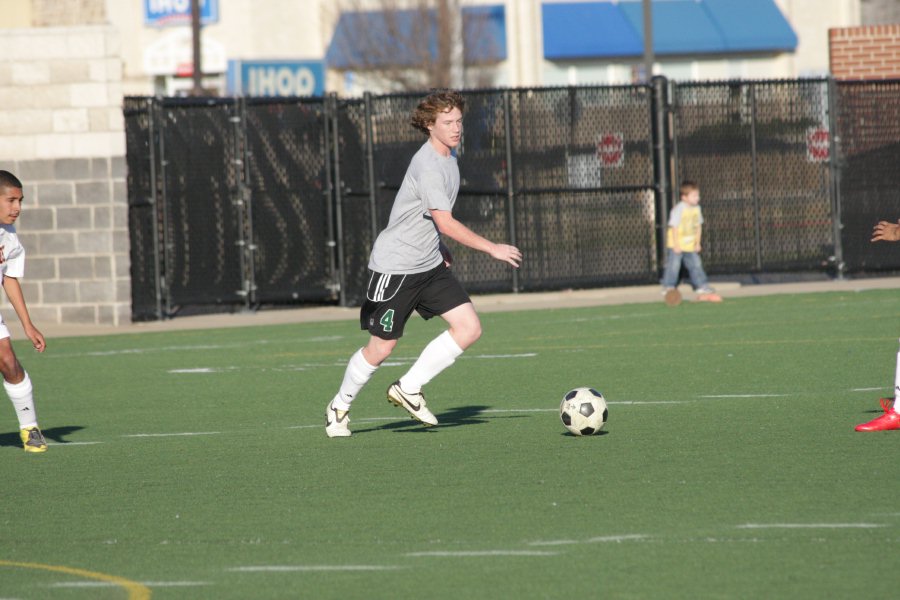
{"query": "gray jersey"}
{"type": "Point", "coordinates": [411, 243]}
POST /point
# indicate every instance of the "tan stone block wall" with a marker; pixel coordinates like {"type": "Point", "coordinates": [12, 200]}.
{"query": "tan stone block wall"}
{"type": "Point", "coordinates": [62, 133]}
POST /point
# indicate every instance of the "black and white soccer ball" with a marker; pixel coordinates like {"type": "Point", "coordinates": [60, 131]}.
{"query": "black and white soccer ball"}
{"type": "Point", "coordinates": [583, 411]}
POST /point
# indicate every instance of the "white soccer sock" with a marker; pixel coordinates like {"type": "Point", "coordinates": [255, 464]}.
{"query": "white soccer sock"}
{"type": "Point", "coordinates": [357, 374]}
{"type": "Point", "coordinates": [897, 385]}
{"type": "Point", "coordinates": [439, 354]}
{"type": "Point", "coordinates": [22, 397]}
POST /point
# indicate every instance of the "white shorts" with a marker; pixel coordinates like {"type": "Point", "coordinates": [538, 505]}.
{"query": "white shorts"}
{"type": "Point", "coordinates": [4, 330]}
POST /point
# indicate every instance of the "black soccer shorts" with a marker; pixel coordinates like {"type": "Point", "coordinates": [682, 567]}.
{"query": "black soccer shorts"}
{"type": "Point", "coordinates": [390, 299]}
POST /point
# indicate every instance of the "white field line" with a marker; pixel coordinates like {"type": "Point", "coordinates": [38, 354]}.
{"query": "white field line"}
{"type": "Point", "coordinates": [396, 362]}
{"type": "Point", "coordinates": [640, 402]}
{"type": "Point", "coordinates": [871, 389]}
{"type": "Point", "coordinates": [628, 537]}
{"type": "Point", "coordinates": [492, 356]}
{"type": "Point", "coordinates": [746, 396]}
{"type": "Point", "coordinates": [312, 568]}
{"type": "Point", "coordinates": [125, 351]}
{"type": "Point", "coordinates": [63, 445]}
{"type": "Point", "coordinates": [810, 526]}
{"type": "Point", "coordinates": [184, 433]}
{"type": "Point", "coordinates": [480, 553]}
{"type": "Point", "coordinates": [619, 403]}
{"type": "Point", "coordinates": [104, 584]}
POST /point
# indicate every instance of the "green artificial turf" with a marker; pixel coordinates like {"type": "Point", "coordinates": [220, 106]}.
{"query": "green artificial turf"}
{"type": "Point", "coordinates": [195, 464]}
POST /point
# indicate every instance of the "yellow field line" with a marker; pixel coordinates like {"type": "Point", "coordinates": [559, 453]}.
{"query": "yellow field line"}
{"type": "Point", "coordinates": [136, 591]}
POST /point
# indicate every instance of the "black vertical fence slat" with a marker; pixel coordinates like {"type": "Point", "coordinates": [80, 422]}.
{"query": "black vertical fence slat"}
{"type": "Point", "coordinates": [236, 203]}
{"type": "Point", "coordinates": [352, 190]}
{"type": "Point", "coordinates": [143, 225]}
{"type": "Point", "coordinates": [201, 185]}
{"type": "Point", "coordinates": [287, 182]}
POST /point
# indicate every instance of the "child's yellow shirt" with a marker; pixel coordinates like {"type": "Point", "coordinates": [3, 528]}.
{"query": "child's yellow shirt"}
{"type": "Point", "coordinates": [684, 221]}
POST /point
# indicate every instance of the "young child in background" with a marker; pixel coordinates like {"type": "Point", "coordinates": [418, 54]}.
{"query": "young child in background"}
{"type": "Point", "coordinates": [683, 247]}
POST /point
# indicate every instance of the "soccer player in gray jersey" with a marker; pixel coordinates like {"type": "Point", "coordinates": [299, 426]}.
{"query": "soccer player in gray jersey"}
{"type": "Point", "coordinates": [409, 269]}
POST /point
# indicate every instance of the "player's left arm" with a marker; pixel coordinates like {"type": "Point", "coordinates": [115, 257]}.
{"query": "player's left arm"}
{"type": "Point", "coordinates": [17, 299]}
{"type": "Point", "coordinates": [699, 237]}
{"type": "Point", "coordinates": [448, 225]}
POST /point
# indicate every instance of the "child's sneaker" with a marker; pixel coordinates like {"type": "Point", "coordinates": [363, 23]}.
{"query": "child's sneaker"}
{"type": "Point", "coordinates": [413, 403]}
{"type": "Point", "coordinates": [672, 296]}
{"type": "Point", "coordinates": [33, 440]}
{"type": "Point", "coordinates": [708, 295]}
{"type": "Point", "coordinates": [337, 421]}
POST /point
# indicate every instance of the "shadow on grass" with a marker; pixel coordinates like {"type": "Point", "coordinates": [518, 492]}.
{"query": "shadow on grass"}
{"type": "Point", "coordinates": [572, 435]}
{"type": "Point", "coordinates": [56, 434]}
{"type": "Point", "coordinates": [456, 417]}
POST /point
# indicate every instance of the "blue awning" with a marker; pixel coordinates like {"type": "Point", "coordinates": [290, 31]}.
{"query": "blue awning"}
{"type": "Point", "coordinates": [680, 27]}
{"type": "Point", "coordinates": [752, 26]}
{"type": "Point", "coordinates": [588, 29]}
{"type": "Point", "coordinates": [404, 36]}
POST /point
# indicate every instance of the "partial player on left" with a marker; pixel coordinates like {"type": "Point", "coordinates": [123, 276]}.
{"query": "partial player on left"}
{"type": "Point", "coordinates": [12, 266]}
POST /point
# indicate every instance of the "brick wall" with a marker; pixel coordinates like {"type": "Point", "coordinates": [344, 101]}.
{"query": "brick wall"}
{"type": "Point", "coordinates": [62, 134]}
{"type": "Point", "coordinates": [868, 52]}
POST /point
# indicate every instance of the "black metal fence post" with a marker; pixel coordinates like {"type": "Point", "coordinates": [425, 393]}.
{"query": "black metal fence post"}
{"type": "Point", "coordinates": [754, 180]}
{"type": "Point", "coordinates": [662, 169]}
{"type": "Point", "coordinates": [152, 109]}
{"type": "Point", "coordinates": [329, 198]}
{"type": "Point", "coordinates": [243, 200]}
{"type": "Point", "coordinates": [370, 165]}
{"type": "Point", "coordinates": [510, 181]}
{"type": "Point", "coordinates": [332, 110]}
{"type": "Point", "coordinates": [163, 215]}
{"type": "Point", "coordinates": [834, 166]}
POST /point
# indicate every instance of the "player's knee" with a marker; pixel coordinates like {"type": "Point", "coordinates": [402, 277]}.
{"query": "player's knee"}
{"type": "Point", "coordinates": [467, 333]}
{"type": "Point", "coordinates": [11, 369]}
{"type": "Point", "coordinates": [377, 350]}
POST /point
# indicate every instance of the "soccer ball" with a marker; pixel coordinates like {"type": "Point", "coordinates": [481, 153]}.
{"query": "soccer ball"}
{"type": "Point", "coordinates": [583, 411]}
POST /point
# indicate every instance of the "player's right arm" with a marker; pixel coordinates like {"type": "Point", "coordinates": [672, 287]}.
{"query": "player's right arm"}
{"type": "Point", "coordinates": [17, 300]}
{"type": "Point", "coordinates": [448, 225]}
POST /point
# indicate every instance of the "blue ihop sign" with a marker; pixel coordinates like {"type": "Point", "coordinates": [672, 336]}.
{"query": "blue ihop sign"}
{"type": "Point", "coordinates": [276, 78]}
{"type": "Point", "coordinates": [160, 13]}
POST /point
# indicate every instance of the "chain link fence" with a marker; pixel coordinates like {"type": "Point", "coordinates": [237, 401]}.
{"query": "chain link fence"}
{"type": "Point", "coordinates": [766, 196]}
{"type": "Point", "coordinates": [237, 203]}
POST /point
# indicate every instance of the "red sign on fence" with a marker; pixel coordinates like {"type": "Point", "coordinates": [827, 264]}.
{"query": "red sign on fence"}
{"type": "Point", "coordinates": [611, 149]}
{"type": "Point", "coordinates": [818, 144]}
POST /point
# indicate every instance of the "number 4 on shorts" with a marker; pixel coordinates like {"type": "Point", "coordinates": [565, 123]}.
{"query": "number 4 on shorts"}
{"type": "Point", "coordinates": [387, 321]}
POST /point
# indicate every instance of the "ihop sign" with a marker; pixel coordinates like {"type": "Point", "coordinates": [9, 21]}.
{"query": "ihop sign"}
{"type": "Point", "coordinates": [163, 13]}
{"type": "Point", "coordinates": [271, 78]}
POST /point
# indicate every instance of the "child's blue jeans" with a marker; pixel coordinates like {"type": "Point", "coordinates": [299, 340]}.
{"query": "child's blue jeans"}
{"type": "Point", "coordinates": [692, 263]}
